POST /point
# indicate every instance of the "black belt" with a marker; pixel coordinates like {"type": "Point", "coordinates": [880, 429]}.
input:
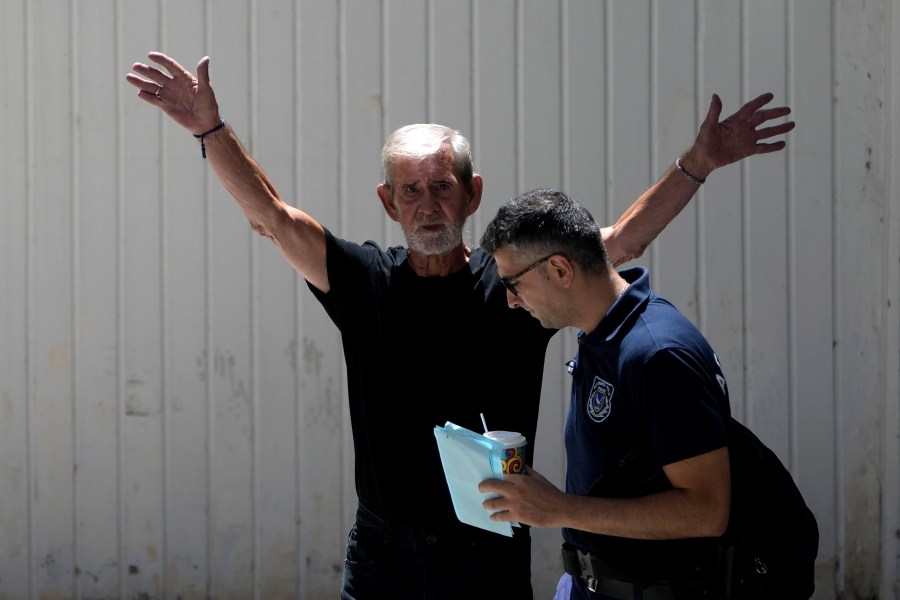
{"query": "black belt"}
{"type": "Point", "coordinates": [394, 534]}
{"type": "Point", "coordinates": [596, 574]}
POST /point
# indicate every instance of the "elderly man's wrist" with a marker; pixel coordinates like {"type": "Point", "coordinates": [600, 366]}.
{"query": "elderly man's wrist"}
{"type": "Point", "coordinates": [692, 164]}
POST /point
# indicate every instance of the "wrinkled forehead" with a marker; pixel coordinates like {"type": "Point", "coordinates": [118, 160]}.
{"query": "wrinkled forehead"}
{"type": "Point", "coordinates": [437, 166]}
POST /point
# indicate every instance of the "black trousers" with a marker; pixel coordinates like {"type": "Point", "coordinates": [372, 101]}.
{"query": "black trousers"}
{"type": "Point", "coordinates": [459, 563]}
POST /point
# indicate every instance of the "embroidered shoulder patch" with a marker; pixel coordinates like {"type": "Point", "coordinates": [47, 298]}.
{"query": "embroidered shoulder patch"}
{"type": "Point", "coordinates": [599, 403]}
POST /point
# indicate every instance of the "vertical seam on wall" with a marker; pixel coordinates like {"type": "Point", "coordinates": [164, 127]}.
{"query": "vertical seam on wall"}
{"type": "Point", "coordinates": [564, 83]}
{"type": "Point", "coordinates": [791, 258]}
{"type": "Point", "coordinates": [653, 119]}
{"type": "Point", "coordinates": [164, 182]}
{"type": "Point", "coordinates": [299, 545]}
{"type": "Point", "coordinates": [120, 295]}
{"type": "Point", "coordinates": [253, 302]}
{"type": "Point", "coordinates": [700, 219]}
{"type": "Point", "coordinates": [891, 352]}
{"type": "Point", "coordinates": [209, 341]}
{"type": "Point", "coordinates": [566, 334]}
{"type": "Point", "coordinates": [474, 94]}
{"type": "Point", "coordinates": [29, 286]}
{"type": "Point", "coordinates": [607, 79]}
{"type": "Point", "coordinates": [836, 303]}
{"type": "Point", "coordinates": [384, 10]}
{"type": "Point", "coordinates": [342, 119]}
{"type": "Point", "coordinates": [342, 186]}
{"type": "Point", "coordinates": [429, 61]}
{"type": "Point", "coordinates": [385, 88]}
{"type": "Point", "coordinates": [74, 186]}
{"type": "Point", "coordinates": [520, 101]}
{"type": "Point", "coordinates": [745, 233]}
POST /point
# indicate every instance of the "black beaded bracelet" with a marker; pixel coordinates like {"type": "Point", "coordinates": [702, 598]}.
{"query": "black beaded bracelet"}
{"type": "Point", "coordinates": [686, 175]}
{"type": "Point", "coordinates": [200, 136]}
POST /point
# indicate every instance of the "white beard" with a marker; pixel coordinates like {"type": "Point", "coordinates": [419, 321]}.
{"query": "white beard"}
{"type": "Point", "coordinates": [440, 242]}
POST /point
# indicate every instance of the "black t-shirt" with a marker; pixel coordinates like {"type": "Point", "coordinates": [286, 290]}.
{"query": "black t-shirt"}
{"type": "Point", "coordinates": [421, 351]}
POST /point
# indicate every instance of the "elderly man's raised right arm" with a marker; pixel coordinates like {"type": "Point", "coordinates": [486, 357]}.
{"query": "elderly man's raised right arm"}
{"type": "Point", "coordinates": [191, 102]}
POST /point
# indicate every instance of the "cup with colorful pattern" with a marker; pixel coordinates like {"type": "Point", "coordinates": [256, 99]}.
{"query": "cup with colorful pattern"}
{"type": "Point", "coordinates": [508, 453]}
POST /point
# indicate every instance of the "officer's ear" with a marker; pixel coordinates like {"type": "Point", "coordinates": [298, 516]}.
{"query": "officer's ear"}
{"type": "Point", "coordinates": [561, 270]}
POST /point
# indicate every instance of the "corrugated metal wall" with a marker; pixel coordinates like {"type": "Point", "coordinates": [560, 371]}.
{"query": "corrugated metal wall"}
{"type": "Point", "coordinates": [173, 418]}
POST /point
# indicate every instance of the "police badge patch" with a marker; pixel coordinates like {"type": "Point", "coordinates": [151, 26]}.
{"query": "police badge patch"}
{"type": "Point", "coordinates": [599, 402]}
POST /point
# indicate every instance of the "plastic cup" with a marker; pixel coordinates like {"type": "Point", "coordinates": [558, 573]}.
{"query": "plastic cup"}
{"type": "Point", "coordinates": [509, 450]}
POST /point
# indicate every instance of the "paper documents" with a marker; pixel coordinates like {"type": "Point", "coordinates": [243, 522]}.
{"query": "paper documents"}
{"type": "Point", "coordinates": [466, 457]}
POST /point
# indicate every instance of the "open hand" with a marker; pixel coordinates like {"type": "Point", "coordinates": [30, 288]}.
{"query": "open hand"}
{"type": "Point", "coordinates": [188, 100]}
{"type": "Point", "coordinates": [721, 143]}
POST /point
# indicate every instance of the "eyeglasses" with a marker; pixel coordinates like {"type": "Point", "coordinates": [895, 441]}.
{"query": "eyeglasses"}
{"type": "Point", "coordinates": [509, 282]}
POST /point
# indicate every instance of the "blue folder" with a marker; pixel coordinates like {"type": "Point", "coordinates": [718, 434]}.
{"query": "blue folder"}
{"type": "Point", "coordinates": [466, 457]}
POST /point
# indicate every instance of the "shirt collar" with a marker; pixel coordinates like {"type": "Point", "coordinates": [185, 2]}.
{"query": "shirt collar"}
{"type": "Point", "coordinates": [631, 302]}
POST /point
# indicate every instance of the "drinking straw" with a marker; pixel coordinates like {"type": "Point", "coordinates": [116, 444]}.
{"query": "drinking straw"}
{"type": "Point", "coordinates": [483, 422]}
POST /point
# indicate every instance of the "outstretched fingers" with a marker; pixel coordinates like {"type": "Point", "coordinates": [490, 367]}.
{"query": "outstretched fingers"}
{"type": "Point", "coordinates": [753, 114]}
{"type": "Point", "coordinates": [187, 99]}
{"type": "Point", "coordinates": [767, 132]}
{"type": "Point", "coordinates": [765, 148]}
{"type": "Point", "coordinates": [761, 116]}
{"type": "Point", "coordinates": [169, 64]}
{"type": "Point", "coordinates": [749, 109]}
{"type": "Point", "coordinates": [151, 80]}
{"type": "Point", "coordinates": [152, 74]}
{"type": "Point", "coordinates": [148, 87]}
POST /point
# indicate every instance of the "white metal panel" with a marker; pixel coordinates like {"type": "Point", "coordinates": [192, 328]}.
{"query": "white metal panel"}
{"type": "Point", "coordinates": [765, 249]}
{"type": "Point", "coordinates": [585, 88]}
{"type": "Point", "coordinates": [721, 201]}
{"type": "Point", "coordinates": [138, 517]}
{"type": "Point", "coordinates": [673, 126]}
{"type": "Point", "coordinates": [449, 65]}
{"type": "Point", "coordinates": [51, 281]}
{"type": "Point", "coordinates": [16, 218]}
{"type": "Point", "coordinates": [361, 128]}
{"type": "Point", "coordinates": [629, 173]}
{"type": "Point", "coordinates": [860, 217]}
{"type": "Point", "coordinates": [97, 196]}
{"type": "Point", "coordinates": [494, 134]}
{"type": "Point", "coordinates": [408, 47]}
{"type": "Point", "coordinates": [188, 201]}
{"type": "Point", "coordinates": [539, 99]}
{"type": "Point", "coordinates": [811, 271]}
{"type": "Point", "coordinates": [890, 549]}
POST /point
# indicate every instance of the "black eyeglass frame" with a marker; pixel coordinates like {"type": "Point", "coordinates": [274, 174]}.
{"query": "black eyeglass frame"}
{"type": "Point", "coordinates": [508, 282]}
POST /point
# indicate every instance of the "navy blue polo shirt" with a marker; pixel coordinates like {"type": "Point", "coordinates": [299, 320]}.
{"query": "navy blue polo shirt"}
{"type": "Point", "coordinates": [644, 376]}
